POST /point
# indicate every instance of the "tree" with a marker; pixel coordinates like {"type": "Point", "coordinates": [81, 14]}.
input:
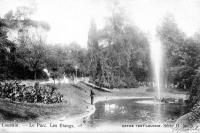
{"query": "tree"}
{"type": "Point", "coordinates": [116, 51]}
{"type": "Point", "coordinates": [93, 52]}
{"type": "Point", "coordinates": [29, 48]}
{"type": "Point", "coordinates": [32, 53]}
{"type": "Point", "coordinates": [181, 54]}
{"type": "Point", "coordinates": [7, 50]}
{"type": "Point", "coordinates": [56, 59]}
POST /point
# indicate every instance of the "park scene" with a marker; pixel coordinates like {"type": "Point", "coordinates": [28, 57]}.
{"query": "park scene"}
{"type": "Point", "coordinates": [100, 65]}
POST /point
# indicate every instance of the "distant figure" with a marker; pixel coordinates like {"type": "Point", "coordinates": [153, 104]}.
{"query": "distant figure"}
{"type": "Point", "coordinates": [92, 97]}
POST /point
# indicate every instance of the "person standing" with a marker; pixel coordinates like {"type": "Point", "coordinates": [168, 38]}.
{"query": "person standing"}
{"type": "Point", "coordinates": [92, 97]}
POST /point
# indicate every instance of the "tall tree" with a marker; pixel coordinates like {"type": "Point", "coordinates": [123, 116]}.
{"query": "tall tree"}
{"type": "Point", "coordinates": [7, 50]}
{"type": "Point", "coordinates": [118, 50]}
{"type": "Point", "coordinates": [94, 52]}
{"type": "Point", "coordinates": [32, 53]}
{"type": "Point", "coordinates": [182, 54]}
{"type": "Point", "coordinates": [30, 49]}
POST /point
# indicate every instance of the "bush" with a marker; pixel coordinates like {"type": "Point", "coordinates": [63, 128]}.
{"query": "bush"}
{"type": "Point", "coordinates": [121, 84]}
{"type": "Point", "coordinates": [131, 82]}
{"type": "Point", "coordinates": [15, 91]}
{"type": "Point", "coordinates": [182, 76]}
{"type": "Point", "coordinates": [126, 82]}
{"type": "Point", "coordinates": [194, 93]}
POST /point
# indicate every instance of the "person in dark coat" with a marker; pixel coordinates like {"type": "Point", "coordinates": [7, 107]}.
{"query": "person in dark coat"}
{"type": "Point", "coordinates": [92, 97]}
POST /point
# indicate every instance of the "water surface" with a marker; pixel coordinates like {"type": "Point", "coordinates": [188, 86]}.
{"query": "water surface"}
{"type": "Point", "coordinates": [132, 111]}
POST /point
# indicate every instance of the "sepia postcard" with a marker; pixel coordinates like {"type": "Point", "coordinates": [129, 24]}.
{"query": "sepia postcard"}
{"type": "Point", "coordinates": [100, 66]}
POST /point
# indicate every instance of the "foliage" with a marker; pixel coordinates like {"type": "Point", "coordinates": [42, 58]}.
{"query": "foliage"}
{"type": "Point", "coordinates": [22, 56]}
{"type": "Point", "coordinates": [61, 60]}
{"type": "Point", "coordinates": [118, 54]}
{"type": "Point", "coordinates": [16, 91]}
{"type": "Point", "coordinates": [194, 93]}
{"type": "Point", "coordinates": [182, 60]}
{"type": "Point", "coordinates": [7, 50]}
{"type": "Point", "coordinates": [181, 54]}
{"type": "Point", "coordinates": [31, 53]}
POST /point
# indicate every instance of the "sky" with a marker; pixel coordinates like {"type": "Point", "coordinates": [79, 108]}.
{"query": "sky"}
{"type": "Point", "coordinates": [70, 19]}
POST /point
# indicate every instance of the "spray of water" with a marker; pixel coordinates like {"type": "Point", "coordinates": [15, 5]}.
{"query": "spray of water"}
{"type": "Point", "coordinates": [156, 58]}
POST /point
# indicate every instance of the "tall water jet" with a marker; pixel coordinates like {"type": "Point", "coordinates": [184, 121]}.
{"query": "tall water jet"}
{"type": "Point", "coordinates": [156, 58]}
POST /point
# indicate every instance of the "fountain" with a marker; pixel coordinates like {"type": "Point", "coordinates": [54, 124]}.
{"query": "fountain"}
{"type": "Point", "coordinates": [158, 110]}
{"type": "Point", "coordinates": [156, 57]}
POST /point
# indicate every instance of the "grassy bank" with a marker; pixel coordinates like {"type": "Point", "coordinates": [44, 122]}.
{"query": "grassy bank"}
{"type": "Point", "coordinates": [75, 101]}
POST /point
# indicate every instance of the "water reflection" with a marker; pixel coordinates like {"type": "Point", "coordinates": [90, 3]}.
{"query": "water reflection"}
{"type": "Point", "coordinates": [114, 108]}
{"type": "Point", "coordinates": [149, 102]}
{"type": "Point", "coordinates": [134, 111]}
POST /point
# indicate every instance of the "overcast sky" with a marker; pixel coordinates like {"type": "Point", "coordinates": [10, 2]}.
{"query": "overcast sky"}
{"type": "Point", "coordinates": [70, 19]}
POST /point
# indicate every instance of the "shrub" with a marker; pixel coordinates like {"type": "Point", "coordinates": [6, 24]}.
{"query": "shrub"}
{"type": "Point", "coordinates": [121, 84]}
{"type": "Point", "coordinates": [194, 93]}
{"type": "Point", "coordinates": [131, 82]}
{"type": "Point", "coordinates": [31, 94]}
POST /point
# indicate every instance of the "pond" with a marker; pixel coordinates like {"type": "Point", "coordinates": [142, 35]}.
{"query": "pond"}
{"type": "Point", "coordinates": [132, 111]}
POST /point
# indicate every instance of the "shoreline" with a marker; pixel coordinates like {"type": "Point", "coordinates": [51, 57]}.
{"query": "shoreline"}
{"type": "Point", "coordinates": [97, 99]}
{"type": "Point", "coordinates": [79, 126]}
{"type": "Point", "coordinates": [79, 118]}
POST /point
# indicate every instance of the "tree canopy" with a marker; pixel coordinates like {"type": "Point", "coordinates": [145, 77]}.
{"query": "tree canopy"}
{"type": "Point", "coordinates": [118, 54]}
